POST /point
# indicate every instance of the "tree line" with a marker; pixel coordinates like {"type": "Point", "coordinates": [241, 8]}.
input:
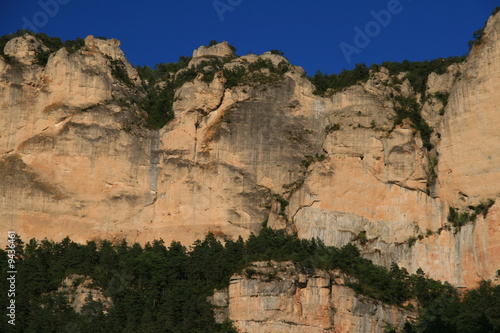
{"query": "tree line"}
{"type": "Point", "coordinates": [155, 288]}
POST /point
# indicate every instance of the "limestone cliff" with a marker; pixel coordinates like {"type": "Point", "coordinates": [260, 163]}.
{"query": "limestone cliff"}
{"type": "Point", "coordinates": [373, 180]}
{"type": "Point", "coordinates": [76, 159]}
{"type": "Point", "coordinates": [276, 297]}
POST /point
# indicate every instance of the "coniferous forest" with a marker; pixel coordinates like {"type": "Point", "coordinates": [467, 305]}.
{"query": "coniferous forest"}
{"type": "Point", "coordinates": [158, 288]}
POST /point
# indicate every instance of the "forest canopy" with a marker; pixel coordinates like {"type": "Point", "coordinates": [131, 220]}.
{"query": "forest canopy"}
{"type": "Point", "coordinates": [155, 288]}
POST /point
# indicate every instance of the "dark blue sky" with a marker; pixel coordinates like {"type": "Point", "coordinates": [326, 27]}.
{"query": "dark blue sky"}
{"type": "Point", "coordinates": [309, 32]}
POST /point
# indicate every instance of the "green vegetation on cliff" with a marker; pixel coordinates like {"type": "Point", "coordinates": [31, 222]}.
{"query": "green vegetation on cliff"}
{"type": "Point", "coordinates": [417, 72]}
{"type": "Point", "coordinates": [476, 311]}
{"type": "Point", "coordinates": [337, 82]}
{"type": "Point", "coordinates": [459, 219]}
{"type": "Point", "coordinates": [161, 82]}
{"type": "Point", "coordinates": [408, 108]}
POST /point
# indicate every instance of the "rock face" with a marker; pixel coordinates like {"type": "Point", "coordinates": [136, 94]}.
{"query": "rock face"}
{"type": "Point", "coordinates": [24, 49]}
{"type": "Point", "coordinates": [66, 159]}
{"type": "Point", "coordinates": [276, 297]}
{"type": "Point", "coordinates": [205, 53]}
{"type": "Point", "coordinates": [469, 149]}
{"type": "Point", "coordinates": [76, 160]}
{"type": "Point", "coordinates": [218, 50]}
{"type": "Point", "coordinates": [200, 96]}
{"type": "Point", "coordinates": [79, 292]}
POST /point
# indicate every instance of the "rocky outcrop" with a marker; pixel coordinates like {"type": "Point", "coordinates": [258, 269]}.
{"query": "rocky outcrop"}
{"type": "Point", "coordinates": [79, 292]}
{"type": "Point", "coordinates": [277, 297]}
{"type": "Point", "coordinates": [200, 96]}
{"type": "Point", "coordinates": [468, 152]}
{"type": "Point", "coordinates": [66, 158]}
{"type": "Point", "coordinates": [217, 50]}
{"type": "Point", "coordinates": [24, 49]}
{"type": "Point", "coordinates": [206, 53]}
